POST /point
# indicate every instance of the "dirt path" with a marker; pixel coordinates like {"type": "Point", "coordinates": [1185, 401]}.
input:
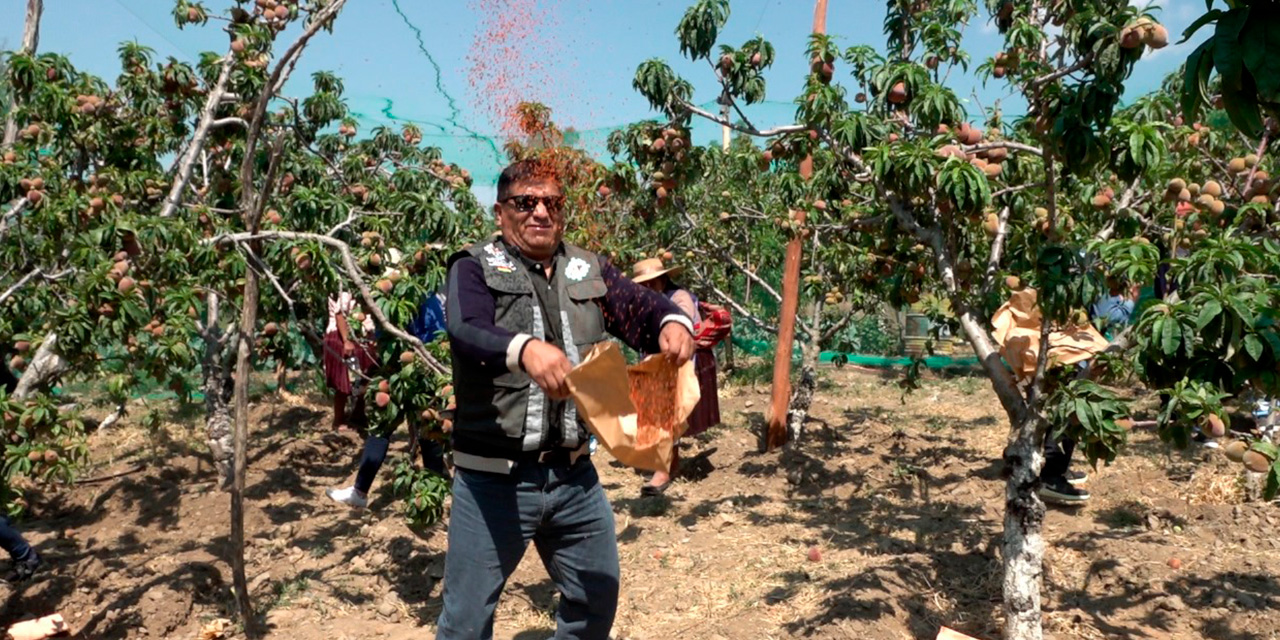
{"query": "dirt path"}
{"type": "Point", "coordinates": [884, 524]}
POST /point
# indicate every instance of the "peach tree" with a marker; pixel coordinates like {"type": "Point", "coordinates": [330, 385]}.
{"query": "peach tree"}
{"type": "Point", "coordinates": [920, 199]}
{"type": "Point", "coordinates": [180, 224]}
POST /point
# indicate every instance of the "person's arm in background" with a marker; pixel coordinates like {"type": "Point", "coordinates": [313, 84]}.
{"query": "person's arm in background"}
{"type": "Point", "coordinates": [684, 300]}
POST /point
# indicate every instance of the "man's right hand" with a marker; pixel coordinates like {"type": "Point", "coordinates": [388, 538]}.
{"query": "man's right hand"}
{"type": "Point", "coordinates": [548, 366]}
{"type": "Point", "coordinates": [348, 348]}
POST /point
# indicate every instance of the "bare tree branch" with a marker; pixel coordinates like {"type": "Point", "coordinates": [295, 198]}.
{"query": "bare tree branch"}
{"type": "Point", "coordinates": [353, 273]}
{"type": "Point", "coordinates": [1003, 144]}
{"type": "Point", "coordinates": [226, 122]}
{"type": "Point", "coordinates": [195, 148]}
{"type": "Point", "coordinates": [1002, 380]}
{"type": "Point", "coordinates": [997, 249]}
{"type": "Point", "coordinates": [30, 42]}
{"type": "Point", "coordinates": [1008, 190]}
{"type": "Point", "coordinates": [280, 74]}
{"type": "Point", "coordinates": [11, 213]}
{"type": "Point", "coordinates": [33, 274]}
{"type": "Point", "coordinates": [725, 122]}
{"type": "Point", "coordinates": [1063, 72]}
{"type": "Point", "coordinates": [259, 264]}
{"type": "Point", "coordinates": [836, 328]}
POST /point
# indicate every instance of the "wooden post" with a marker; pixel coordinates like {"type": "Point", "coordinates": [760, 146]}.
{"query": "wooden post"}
{"type": "Point", "coordinates": [777, 434]}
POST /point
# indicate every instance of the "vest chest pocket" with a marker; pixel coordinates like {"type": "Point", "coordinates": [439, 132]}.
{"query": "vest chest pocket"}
{"type": "Point", "coordinates": [585, 316]}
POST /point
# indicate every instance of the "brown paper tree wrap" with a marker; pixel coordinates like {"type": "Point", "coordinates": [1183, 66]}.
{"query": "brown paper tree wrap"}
{"type": "Point", "coordinates": [1016, 327]}
{"type": "Point", "coordinates": [636, 412]}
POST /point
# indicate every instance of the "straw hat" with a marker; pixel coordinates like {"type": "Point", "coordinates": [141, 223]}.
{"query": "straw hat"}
{"type": "Point", "coordinates": [651, 268]}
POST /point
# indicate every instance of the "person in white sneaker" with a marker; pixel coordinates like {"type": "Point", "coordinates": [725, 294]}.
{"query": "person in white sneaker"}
{"type": "Point", "coordinates": [428, 326]}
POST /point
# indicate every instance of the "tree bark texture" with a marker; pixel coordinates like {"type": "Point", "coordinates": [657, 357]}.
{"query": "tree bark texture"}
{"type": "Point", "coordinates": [218, 426]}
{"type": "Point", "coordinates": [244, 370]}
{"type": "Point", "coordinates": [46, 365]}
{"type": "Point", "coordinates": [802, 399]}
{"type": "Point", "coordinates": [1023, 547]}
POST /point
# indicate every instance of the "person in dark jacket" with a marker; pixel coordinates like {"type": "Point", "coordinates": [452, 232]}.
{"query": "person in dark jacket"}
{"type": "Point", "coordinates": [522, 309]}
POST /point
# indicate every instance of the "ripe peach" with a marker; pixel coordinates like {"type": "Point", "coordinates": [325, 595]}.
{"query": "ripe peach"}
{"type": "Point", "coordinates": [898, 94]}
{"type": "Point", "coordinates": [1256, 462]}
{"type": "Point", "coordinates": [382, 399]}
{"type": "Point", "coordinates": [1214, 426]}
{"type": "Point", "coordinates": [1235, 450]}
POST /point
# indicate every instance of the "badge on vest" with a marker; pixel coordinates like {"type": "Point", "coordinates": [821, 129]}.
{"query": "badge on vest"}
{"type": "Point", "coordinates": [498, 259]}
{"type": "Point", "coordinates": [577, 269]}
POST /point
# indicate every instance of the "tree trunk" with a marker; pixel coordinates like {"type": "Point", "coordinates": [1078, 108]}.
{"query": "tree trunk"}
{"type": "Point", "coordinates": [802, 399]}
{"type": "Point", "coordinates": [30, 41]}
{"type": "Point", "coordinates": [244, 370]}
{"type": "Point", "coordinates": [46, 365]}
{"type": "Point", "coordinates": [1023, 547]}
{"type": "Point", "coordinates": [217, 414]}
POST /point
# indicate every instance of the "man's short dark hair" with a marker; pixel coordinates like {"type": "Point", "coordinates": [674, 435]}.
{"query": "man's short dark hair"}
{"type": "Point", "coordinates": [532, 168]}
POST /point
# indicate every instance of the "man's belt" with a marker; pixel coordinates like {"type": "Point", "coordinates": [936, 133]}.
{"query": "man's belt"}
{"type": "Point", "coordinates": [558, 457]}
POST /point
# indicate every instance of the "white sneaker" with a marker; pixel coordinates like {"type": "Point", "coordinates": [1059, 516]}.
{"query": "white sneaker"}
{"type": "Point", "coordinates": [349, 496]}
{"type": "Point", "coordinates": [1199, 437]}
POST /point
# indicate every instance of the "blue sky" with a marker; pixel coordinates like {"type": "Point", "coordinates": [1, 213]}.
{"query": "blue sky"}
{"type": "Point", "coordinates": [592, 46]}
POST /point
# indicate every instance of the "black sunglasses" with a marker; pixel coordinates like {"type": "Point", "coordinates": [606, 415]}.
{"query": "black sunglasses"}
{"type": "Point", "coordinates": [527, 204]}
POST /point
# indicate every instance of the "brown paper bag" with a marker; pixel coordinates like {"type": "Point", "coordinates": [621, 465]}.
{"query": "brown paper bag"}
{"type": "Point", "coordinates": [636, 412]}
{"type": "Point", "coordinates": [1016, 327]}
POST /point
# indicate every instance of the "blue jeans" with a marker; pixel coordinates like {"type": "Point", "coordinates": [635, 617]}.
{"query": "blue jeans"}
{"type": "Point", "coordinates": [563, 510]}
{"type": "Point", "coordinates": [12, 541]}
{"type": "Point", "coordinates": [375, 453]}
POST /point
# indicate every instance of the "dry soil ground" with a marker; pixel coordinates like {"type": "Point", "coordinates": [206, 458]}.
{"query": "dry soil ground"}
{"type": "Point", "coordinates": [901, 500]}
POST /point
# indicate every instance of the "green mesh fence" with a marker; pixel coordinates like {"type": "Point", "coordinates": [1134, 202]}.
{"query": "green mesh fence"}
{"type": "Point", "coordinates": [482, 154]}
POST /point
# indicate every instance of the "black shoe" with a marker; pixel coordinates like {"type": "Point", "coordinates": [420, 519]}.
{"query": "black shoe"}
{"type": "Point", "coordinates": [1077, 477]}
{"type": "Point", "coordinates": [24, 569]}
{"type": "Point", "coordinates": [1059, 491]}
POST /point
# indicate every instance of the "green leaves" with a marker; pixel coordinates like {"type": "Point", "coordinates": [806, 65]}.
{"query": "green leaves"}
{"type": "Point", "coordinates": [964, 184]}
{"type": "Point", "coordinates": [1089, 413]}
{"type": "Point", "coordinates": [1242, 51]}
{"type": "Point", "coordinates": [659, 84]}
{"type": "Point", "coordinates": [700, 27]}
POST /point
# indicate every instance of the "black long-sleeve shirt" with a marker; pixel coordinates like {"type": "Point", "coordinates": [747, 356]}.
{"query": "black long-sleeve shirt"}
{"type": "Point", "coordinates": [632, 313]}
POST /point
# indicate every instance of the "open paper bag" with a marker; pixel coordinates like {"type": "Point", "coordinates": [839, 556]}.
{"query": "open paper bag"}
{"type": "Point", "coordinates": [1016, 327]}
{"type": "Point", "coordinates": [636, 412]}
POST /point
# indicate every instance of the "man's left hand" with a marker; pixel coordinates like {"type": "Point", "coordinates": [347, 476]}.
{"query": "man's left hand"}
{"type": "Point", "coordinates": [676, 342]}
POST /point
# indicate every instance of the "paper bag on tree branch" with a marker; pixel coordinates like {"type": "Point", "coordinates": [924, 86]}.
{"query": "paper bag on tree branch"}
{"type": "Point", "coordinates": [1016, 327]}
{"type": "Point", "coordinates": [636, 412]}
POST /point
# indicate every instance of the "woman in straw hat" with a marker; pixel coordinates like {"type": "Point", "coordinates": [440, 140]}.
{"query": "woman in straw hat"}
{"type": "Point", "coordinates": [653, 274]}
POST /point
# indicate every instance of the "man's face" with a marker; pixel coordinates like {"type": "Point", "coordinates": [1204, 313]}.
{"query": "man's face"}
{"type": "Point", "coordinates": [532, 217]}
